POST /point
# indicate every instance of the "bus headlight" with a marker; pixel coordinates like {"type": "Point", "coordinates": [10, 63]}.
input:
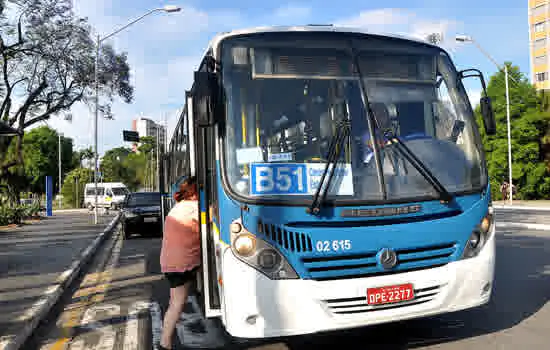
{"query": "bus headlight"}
{"type": "Point", "coordinates": [245, 244]}
{"type": "Point", "coordinates": [259, 254]}
{"type": "Point", "coordinates": [479, 236]}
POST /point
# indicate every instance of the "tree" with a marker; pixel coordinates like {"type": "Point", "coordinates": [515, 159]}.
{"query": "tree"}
{"type": "Point", "coordinates": [529, 126]}
{"type": "Point", "coordinates": [40, 158]}
{"type": "Point", "coordinates": [136, 165]}
{"type": "Point", "coordinates": [86, 154]}
{"type": "Point", "coordinates": [112, 165]}
{"type": "Point", "coordinates": [147, 144]}
{"type": "Point", "coordinates": [47, 65]}
{"type": "Point", "coordinates": [73, 186]}
{"type": "Point", "coordinates": [147, 148]}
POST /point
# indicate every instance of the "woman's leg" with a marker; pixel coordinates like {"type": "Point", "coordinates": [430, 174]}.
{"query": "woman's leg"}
{"type": "Point", "coordinates": [178, 297]}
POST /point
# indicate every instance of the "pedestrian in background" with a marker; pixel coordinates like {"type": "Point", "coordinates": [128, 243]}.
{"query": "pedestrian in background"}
{"type": "Point", "coordinates": [180, 254]}
{"type": "Point", "coordinates": [504, 190]}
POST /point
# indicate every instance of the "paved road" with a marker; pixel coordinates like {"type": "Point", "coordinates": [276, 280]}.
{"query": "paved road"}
{"type": "Point", "coordinates": [33, 256]}
{"type": "Point", "coordinates": [132, 297]}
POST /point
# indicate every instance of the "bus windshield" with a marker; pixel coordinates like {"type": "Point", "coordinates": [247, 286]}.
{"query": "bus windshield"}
{"type": "Point", "coordinates": [287, 93]}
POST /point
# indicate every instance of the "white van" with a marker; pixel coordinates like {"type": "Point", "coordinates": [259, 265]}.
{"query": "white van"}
{"type": "Point", "coordinates": [109, 194]}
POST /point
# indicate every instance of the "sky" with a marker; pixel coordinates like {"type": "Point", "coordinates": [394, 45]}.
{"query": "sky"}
{"type": "Point", "coordinates": [164, 49]}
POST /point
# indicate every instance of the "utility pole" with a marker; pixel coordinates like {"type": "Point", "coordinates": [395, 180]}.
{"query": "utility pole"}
{"type": "Point", "coordinates": [158, 158]}
{"type": "Point", "coordinates": [509, 133]}
{"type": "Point", "coordinates": [59, 167]}
{"type": "Point", "coordinates": [76, 190]}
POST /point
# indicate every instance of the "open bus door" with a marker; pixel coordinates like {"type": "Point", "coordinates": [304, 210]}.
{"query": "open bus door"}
{"type": "Point", "coordinates": [203, 165]}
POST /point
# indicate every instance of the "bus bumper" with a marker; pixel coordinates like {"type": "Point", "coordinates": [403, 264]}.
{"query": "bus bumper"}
{"type": "Point", "coordinates": [257, 307]}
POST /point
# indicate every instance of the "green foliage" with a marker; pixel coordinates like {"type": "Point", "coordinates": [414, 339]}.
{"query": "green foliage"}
{"type": "Point", "coordinates": [147, 144]}
{"type": "Point", "coordinates": [40, 157]}
{"type": "Point", "coordinates": [86, 155]}
{"type": "Point", "coordinates": [530, 130]}
{"type": "Point", "coordinates": [73, 186]}
{"type": "Point", "coordinates": [112, 165]}
{"type": "Point", "coordinates": [122, 165]}
{"type": "Point", "coordinates": [136, 165]}
{"type": "Point", "coordinates": [15, 214]}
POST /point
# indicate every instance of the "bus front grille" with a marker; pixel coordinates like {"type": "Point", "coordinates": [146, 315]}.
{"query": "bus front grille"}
{"type": "Point", "coordinates": [292, 241]}
{"type": "Point", "coordinates": [365, 265]}
{"type": "Point", "coordinates": [346, 306]}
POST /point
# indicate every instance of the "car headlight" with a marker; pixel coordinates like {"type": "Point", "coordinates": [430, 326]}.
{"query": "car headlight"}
{"type": "Point", "coordinates": [259, 254]}
{"type": "Point", "coordinates": [130, 214]}
{"type": "Point", "coordinates": [479, 236]}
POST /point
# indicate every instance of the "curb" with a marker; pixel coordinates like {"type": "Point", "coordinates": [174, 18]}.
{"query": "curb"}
{"type": "Point", "coordinates": [42, 307]}
{"type": "Point", "coordinates": [61, 211]}
{"type": "Point", "coordinates": [520, 207]}
{"type": "Point", "coordinates": [541, 227]}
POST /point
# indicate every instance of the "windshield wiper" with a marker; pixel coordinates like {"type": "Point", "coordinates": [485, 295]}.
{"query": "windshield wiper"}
{"type": "Point", "coordinates": [371, 121]}
{"type": "Point", "coordinates": [343, 131]}
{"type": "Point", "coordinates": [406, 152]}
{"type": "Point", "coordinates": [444, 195]}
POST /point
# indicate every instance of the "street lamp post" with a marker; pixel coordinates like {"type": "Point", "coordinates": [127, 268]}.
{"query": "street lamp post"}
{"type": "Point", "coordinates": [59, 135]}
{"type": "Point", "coordinates": [168, 9]}
{"type": "Point", "coordinates": [465, 38]}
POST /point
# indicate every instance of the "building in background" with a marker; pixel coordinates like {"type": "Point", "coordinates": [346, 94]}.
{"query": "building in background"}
{"type": "Point", "coordinates": [539, 30]}
{"type": "Point", "coordinates": [147, 127]}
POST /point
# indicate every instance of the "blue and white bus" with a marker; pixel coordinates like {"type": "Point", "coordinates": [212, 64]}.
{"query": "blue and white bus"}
{"type": "Point", "coordinates": [342, 180]}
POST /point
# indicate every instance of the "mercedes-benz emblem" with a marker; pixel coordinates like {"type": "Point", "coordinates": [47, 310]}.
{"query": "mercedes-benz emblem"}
{"type": "Point", "coordinates": [387, 258]}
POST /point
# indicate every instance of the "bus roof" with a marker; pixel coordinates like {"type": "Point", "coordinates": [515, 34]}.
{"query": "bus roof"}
{"type": "Point", "coordinates": [307, 28]}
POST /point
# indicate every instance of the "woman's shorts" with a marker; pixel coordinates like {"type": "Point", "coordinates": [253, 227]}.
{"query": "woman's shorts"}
{"type": "Point", "coordinates": [176, 279]}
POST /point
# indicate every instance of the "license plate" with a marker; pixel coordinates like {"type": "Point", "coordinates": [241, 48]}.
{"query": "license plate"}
{"type": "Point", "coordinates": [149, 219]}
{"type": "Point", "coordinates": [390, 294]}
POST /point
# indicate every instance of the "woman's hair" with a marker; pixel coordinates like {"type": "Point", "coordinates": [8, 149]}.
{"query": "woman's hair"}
{"type": "Point", "coordinates": [187, 187]}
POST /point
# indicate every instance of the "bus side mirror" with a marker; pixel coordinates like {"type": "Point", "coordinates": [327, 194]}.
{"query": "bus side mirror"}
{"type": "Point", "coordinates": [487, 112]}
{"type": "Point", "coordinates": [205, 98]}
{"type": "Point", "coordinates": [488, 115]}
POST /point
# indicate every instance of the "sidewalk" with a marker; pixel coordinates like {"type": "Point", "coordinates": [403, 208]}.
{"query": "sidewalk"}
{"type": "Point", "coordinates": [32, 258]}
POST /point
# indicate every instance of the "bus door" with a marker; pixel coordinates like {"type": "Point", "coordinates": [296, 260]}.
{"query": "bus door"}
{"type": "Point", "coordinates": [202, 143]}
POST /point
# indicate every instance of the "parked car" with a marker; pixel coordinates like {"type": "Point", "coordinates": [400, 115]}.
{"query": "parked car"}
{"type": "Point", "coordinates": [141, 214]}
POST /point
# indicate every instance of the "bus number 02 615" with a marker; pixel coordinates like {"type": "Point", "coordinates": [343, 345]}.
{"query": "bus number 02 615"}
{"type": "Point", "coordinates": [333, 246]}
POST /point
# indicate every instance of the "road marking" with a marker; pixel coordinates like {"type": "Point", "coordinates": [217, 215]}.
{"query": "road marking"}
{"type": "Point", "coordinates": [131, 338]}
{"type": "Point", "coordinates": [156, 323]}
{"type": "Point", "coordinates": [107, 331]}
{"type": "Point", "coordinates": [541, 227]}
{"type": "Point", "coordinates": [92, 290]}
{"type": "Point", "coordinates": [78, 345]}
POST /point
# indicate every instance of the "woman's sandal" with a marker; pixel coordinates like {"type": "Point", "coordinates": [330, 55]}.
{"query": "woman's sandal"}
{"type": "Point", "coordinates": [160, 347]}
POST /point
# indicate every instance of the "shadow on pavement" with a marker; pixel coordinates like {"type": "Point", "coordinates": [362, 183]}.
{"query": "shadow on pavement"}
{"type": "Point", "coordinates": [522, 288]}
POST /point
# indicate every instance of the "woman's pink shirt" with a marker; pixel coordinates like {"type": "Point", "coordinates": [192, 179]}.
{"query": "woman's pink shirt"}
{"type": "Point", "coordinates": [180, 250]}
